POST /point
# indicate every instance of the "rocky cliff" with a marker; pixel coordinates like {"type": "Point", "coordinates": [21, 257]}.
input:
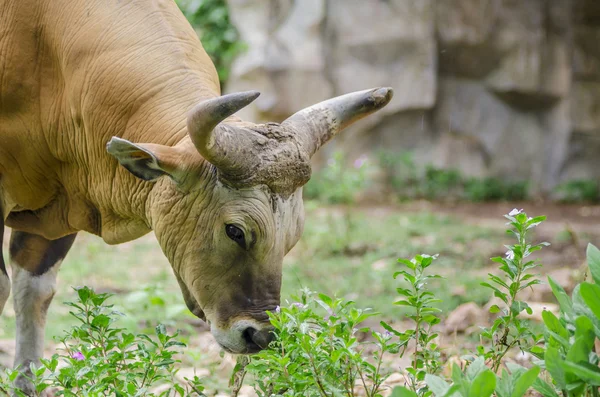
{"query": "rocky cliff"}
{"type": "Point", "coordinates": [507, 88]}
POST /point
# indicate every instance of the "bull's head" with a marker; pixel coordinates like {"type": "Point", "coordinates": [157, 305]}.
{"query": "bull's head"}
{"type": "Point", "coordinates": [233, 205]}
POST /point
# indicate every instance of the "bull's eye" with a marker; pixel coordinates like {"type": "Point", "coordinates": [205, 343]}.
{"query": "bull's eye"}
{"type": "Point", "coordinates": [236, 234]}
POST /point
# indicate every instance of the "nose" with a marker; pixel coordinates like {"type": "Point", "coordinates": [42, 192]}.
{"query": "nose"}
{"type": "Point", "coordinates": [257, 340]}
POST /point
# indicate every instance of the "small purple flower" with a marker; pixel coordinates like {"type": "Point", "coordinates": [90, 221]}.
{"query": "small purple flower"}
{"type": "Point", "coordinates": [298, 305]}
{"type": "Point", "coordinates": [387, 334]}
{"type": "Point", "coordinates": [77, 356]}
{"type": "Point", "coordinates": [278, 309]}
{"type": "Point", "coordinates": [359, 162]}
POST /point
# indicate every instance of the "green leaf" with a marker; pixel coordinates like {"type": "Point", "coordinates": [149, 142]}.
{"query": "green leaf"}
{"type": "Point", "coordinates": [525, 381]}
{"type": "Point", "coordinates": [553, 324]}
{"type": "Point", "coordinates": [160, 329]}
{"type": "Point", "coordinates": [545, 389]}
{"type": "Point", "coordinates": [584, 329]}
{"type": "Point", "coordinates": [553, 362]}
{"type": "Point", "coordinates": [593, 259]}
{"type": "Point", "coordinates": [591, 296]}
{"type": "Point", "coordinates": [483, 385]}
{"type": "Point", "coordinates": [504, 384]}
{"type": "Point", "coordinates": [101, 321]}
{"type": "Point", "coordinates": [437, 385]}
{"type": "Point", "coordinates": [561, 296]}
{"type": "Point", "coordinates": [476, 368]}
{"type": "Point", "coordinates": [401, 391]}
{"type": "Point", "coordinates": [459, 381]}
{"type": "Point", "coordinates": [580, 308]}
{"type": "Point", "coordinates": [84, 294]}
{"type": "Point", "coordinates": [585, 371]}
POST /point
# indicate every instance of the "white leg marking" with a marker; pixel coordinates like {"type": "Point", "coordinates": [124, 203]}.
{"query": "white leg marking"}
{"type": "Point", "coordinates": [4, 290]}
{"type": "Point", "coordinates": [32, 296]}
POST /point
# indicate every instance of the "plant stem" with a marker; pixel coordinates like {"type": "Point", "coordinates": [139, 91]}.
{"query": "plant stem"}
{"type": "Point", "coordinates": [376, 384]}
{"type": "Point", "coordinates": [317, 379]}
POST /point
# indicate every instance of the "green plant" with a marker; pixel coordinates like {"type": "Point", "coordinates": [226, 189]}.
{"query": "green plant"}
{"type": "Point", "coordinates": [570, 356]}
{"type": "Point", "coordinates": [479, 381]}
{"type": "Point", "coordinates": [220, 39]}
{"type": "Point", "coordinates": [579, 190]}
{"type": "Point", "coordinates": [337, 182]}
{"type": "Point", "coordinates": [508, 330]}
{"type": "Point", "coordinates": [99, 359]}
{"type": "Point", "coordinates": [317, 352]}
{"type": "Point", "coordinates": [426, 354]}
{"type": "Point", "coordinates": [410, 179]}
{"type": "Point", "coordinates": [401, 172]}
{"type": "Point", "coordinates": [440, 183]}
{"type": "Point", "coordinates": [491, 189]}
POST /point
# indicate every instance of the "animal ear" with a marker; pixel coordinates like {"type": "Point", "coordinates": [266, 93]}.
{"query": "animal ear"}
{"type": "Point", "coordinates": [147, 161]}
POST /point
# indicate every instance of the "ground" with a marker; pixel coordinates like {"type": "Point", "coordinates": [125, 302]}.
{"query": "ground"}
{"type": "Point", "coordinates": [350, 252]}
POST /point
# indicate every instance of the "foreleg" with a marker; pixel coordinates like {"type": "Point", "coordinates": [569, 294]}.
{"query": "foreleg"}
{"type": "Point", "coordinates": [35, 262]}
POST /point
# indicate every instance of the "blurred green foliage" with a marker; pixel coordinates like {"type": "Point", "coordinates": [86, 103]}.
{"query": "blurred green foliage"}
{"type": "Point", "coordinates": [338, 182]}
{"type": "Point", "coordinates": [579, 190]}
{"type": "Point", "coordinates": [410, 180]}
{"type": "Point", "coordinates": [210, 19]}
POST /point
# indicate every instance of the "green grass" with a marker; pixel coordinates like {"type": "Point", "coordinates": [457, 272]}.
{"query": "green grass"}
{"type": "Point", "coordinates": [351, 254]}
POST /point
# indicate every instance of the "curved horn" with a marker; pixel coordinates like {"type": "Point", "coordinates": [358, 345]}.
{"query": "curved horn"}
{"type": "Point", "coordinates": [205, 116]}
{"type": "Point", "coordinates": [319, 123]}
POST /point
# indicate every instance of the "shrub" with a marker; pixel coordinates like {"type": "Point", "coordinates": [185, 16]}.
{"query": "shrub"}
{"type": "Point", "coordinates": [579, 190]}
{"type": "Point", "coordinates": [99, 359]}
{"type": "Point", "coordinates": [409, 180]}
{"type": "Point", "coordinates": [570, 356]}
{"type": "Point", "coordinates": [508, 330]}
{"type": "Point", "coordinates": [318, 351]}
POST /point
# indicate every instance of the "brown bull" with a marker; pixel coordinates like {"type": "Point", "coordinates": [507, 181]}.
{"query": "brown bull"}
{"type": "Point", "coordinates": [111, 122]}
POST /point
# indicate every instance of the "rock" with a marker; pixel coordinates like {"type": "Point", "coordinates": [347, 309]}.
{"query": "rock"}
{"type": "Point", "coordinates": [488, 133]}
{"type": "Point", "coordinates": [463, 317]}
{"type": "Point", "coordinates": [389, 43]}
{"type": "Point", "coordinates": [465, 30]}
{"type": "Point", "coordinates": [507, 88]}
{"type": "Point", "coordinates": [582, 160]}
{"type": "Point", "coordinates": [584, 107]}
{"type": "Point", "coordinates": [586, 53]}
{"type": "Point", "coordinates": [284, 58]}
{"type": "Point", "coordinates": [535, 70]}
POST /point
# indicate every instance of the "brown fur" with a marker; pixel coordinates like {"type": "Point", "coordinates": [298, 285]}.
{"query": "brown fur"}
{"type": "Point", "coordinates": [72, 75]}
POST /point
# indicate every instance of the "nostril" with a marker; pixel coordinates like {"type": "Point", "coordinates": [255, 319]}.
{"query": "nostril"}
{"type": "Point", "coordinates": [248, 335]}
{"type": "Point", "coordinates": [263, 337]}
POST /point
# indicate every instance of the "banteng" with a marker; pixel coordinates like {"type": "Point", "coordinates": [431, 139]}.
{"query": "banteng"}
{"type": "Point", "coordinates": [112, 123]}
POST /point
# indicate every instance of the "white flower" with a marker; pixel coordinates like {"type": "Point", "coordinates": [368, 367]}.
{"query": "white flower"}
{"type": "Point", "coordinates": [277, 309]}
{"type": "Point", "coordinates": [515, 212]}
{"type": "Point", "coordinates": [510, 254]}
